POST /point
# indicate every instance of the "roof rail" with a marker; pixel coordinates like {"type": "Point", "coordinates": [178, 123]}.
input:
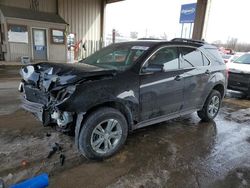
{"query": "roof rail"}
{"type": "Point", "coordinates": [188, 40]}
{"type": "Point", "coordinates": [149, 39]}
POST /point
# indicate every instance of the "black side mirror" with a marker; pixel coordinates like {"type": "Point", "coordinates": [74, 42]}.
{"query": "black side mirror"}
{"type": "Point", "coordinates": [153, 68]}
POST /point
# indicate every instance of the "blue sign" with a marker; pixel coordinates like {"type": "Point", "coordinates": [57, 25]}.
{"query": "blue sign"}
{"type": "Point", "coordinates": [188, 13]}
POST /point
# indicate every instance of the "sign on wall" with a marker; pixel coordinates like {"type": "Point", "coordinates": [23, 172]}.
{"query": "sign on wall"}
{"type": "Point", "coordinates": [187, 14]}
{"type": "Point", "coordinates": [57, 36]}
{"type": "Point", "coordinates": [17, 33]}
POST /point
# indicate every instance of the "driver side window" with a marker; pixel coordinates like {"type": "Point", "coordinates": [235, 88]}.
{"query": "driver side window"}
{"type": "Point", "coordinates": [168, 57]}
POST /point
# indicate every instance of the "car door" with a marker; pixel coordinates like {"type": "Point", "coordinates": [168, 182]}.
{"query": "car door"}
{"type": "Point", "coordinates": [197, 74]}
{"type": "Point", "coordinates": [161, 91]}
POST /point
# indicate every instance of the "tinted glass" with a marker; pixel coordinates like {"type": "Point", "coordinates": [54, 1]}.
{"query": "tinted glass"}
{"type": "Point", "coordinates": [245, 59]}
{"type": "Point", "coordinates": [206, 62]}
{"type": "Point", "coordinates": [214, 54]}
{"type": "Point", "coordinates": [191, 57]}
{"type": "Point", "coordinates": [168, 57]}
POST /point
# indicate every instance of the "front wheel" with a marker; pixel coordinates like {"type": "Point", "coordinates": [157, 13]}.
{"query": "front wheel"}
{"type": "Point", "coordinates": [211, 106]}
{"type": "Point", "coordinates": [103, 133]}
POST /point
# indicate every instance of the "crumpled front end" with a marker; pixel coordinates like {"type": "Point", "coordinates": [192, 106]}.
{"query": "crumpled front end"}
{"type": "Point", "coordinates": [46, 87]}
{"type": "Point", "coordinates": [42, 92]}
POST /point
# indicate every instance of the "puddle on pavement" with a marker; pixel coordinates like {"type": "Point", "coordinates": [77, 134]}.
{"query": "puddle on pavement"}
{"type": "Point", "coordinates": [184, 152]}
{"type": "Point", "coordinates": [179, 153]}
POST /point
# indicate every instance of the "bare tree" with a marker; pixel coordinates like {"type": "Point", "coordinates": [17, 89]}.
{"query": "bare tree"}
{"type": "Point", "coordinates": [231, 43]}
{"type": "Point", "coordinates": [242, 47]}
{"type": "Point", "coordinates": [217, 43]}
{"type": "Point", "coordinates": [134, 35]}
{"type": "Point", "coordinates": [164, 36]}
{"type": "Point", "coordinates": [117, 33]}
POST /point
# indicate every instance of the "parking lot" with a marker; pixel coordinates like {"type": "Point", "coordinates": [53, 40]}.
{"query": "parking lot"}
{"type": "Point", "coordinates": [183, 152]}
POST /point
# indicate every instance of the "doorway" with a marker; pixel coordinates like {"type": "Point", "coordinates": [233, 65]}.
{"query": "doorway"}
{"type": "Point", "coordinates": [39, 44]}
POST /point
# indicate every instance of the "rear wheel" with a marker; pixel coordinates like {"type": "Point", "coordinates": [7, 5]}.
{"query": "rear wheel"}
{"type": "Point", "coordinates": [211, 106]}
{"type": "Point", "coordinates": [103, 134]}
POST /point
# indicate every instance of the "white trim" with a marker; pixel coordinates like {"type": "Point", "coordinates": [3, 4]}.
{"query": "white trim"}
{"type": "Point", "coordinates": [156, 82]}
{"type": "Point", "coordinates": [32, 41]}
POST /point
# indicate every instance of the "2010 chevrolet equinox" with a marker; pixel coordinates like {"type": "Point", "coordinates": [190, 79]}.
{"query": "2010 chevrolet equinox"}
{"type": "Point", "coordinates": [123, 87]}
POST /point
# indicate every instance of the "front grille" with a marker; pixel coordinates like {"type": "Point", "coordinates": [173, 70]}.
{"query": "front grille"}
{"type": "Point", "coordinates": [35, 95]}
{"type": "Point", "coordinates": [239, 80]}
{"type": "Point", "coordinates": [239, 77]}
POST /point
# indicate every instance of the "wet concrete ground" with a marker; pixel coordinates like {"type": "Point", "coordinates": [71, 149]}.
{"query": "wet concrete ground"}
{"type": "Point", "coordinates": [179, 153]}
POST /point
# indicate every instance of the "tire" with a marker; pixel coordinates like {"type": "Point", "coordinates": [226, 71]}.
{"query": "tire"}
{"type": "Point", "coordinates": [206, 114]}
{"type": "Point", "coordinates": [97, 128]}
{"type": "Point", "coordinates": [245, 95]}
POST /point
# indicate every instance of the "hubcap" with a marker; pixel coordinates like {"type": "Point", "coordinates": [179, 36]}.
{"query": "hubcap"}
{"type": "Point", "coordinates": [106, 135]}
{"type": "Point", "coordinates": [213, 106]}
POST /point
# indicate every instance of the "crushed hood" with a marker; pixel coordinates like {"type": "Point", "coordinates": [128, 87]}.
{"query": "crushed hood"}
{"type": "Point", "coordinates": [62, 73]}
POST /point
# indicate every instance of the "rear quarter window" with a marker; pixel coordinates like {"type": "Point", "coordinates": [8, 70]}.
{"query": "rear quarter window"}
{"type": "Point", "coordinates": [192, 57]}
{"type": "Point", "coordinates": [214, 54]}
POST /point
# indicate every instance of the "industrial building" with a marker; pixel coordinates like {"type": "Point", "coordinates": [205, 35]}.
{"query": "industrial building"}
{"type": "Point", "coordinates": [51, 30]}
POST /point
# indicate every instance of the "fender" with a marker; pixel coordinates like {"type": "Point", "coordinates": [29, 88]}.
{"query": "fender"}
{"type": "Point", "coordinates": [216, 79]}
{"type": "Point", "coordinates": [124, 109]}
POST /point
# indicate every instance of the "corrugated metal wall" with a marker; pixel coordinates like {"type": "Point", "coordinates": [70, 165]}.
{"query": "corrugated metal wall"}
{"type": "Point", "coordinates": [84, 19]}
{"type": "Point", "coordinates": [40, 5]}
{"type": "Point", "coordinates": [83, 16]}
{"type": "Point", "coordinates": [17, 50]}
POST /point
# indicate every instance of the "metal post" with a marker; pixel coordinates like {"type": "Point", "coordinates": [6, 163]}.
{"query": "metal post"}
{"type": "Point", "coordinates": [201, 8]}
{"type": "Point", "coordinates": [182, 29]}
{"type": "Point", "coordinates": [190, 29]}
{"type": "Point", "coordinates": [185, 32]}
{"type": "Point", "coordinates": [113, 36]}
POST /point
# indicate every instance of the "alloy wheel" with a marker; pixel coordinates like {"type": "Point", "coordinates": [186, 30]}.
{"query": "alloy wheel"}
{"type": "Point", "coordinates": [106, 136]}
{"type": "Point", "coordinates": [213, 106]}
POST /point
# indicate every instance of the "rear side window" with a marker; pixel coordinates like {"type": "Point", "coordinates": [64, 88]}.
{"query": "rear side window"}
{"type": "Point", "coordinates": [214, 54]}
{"type": "Point", "coordinates": [206, 62]}
{"type": "Point", "coordinates": [192, 57]}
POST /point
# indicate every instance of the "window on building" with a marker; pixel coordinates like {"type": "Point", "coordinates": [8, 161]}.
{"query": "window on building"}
{"type": "Point", "coordinates": [17, 33]}
{"type": "Point", "coordinates": [57, 36]}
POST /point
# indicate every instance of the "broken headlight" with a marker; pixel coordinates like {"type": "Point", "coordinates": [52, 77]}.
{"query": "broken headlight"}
{"type": "Point", "coordinates": [26, 72]}
{"type": "Point", "coordinates": [65, 93]}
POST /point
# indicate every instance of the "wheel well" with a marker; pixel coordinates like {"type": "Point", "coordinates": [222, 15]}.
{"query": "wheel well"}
{"type": "Point", "coordinates": [116, 105]}
{"type": "Point", "coordinates": [219, 88]}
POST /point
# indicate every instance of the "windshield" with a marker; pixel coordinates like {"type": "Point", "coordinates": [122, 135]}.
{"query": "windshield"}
{"type": "Point", "coordinates": [116, 56]}
{"type": "Point", "coordinates": [245, 59]}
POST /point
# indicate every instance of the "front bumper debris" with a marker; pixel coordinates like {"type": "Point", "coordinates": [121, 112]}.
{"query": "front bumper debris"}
{"type": "Point", "coordinates": [36, 108]}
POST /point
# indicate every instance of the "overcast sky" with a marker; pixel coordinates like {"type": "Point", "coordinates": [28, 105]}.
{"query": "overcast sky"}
{"type": "Point", "coordinates": [227, 18]}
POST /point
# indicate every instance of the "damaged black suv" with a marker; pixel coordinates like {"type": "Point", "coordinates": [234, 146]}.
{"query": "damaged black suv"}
{"type": "Point", "coordinates": [123, 87]}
